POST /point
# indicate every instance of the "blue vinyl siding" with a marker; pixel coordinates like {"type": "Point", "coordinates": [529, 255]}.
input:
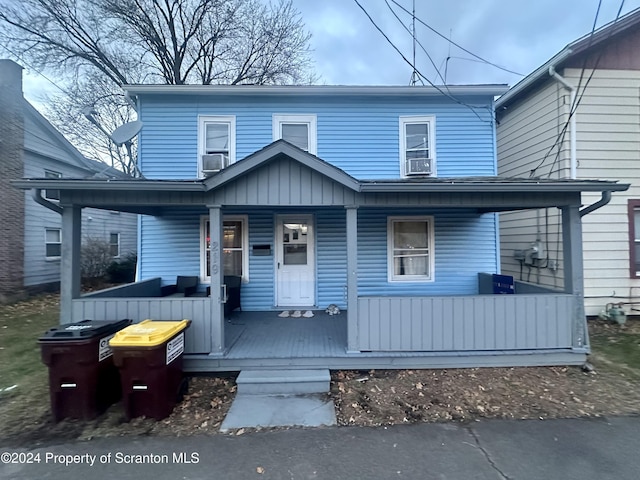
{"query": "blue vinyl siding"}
{"type": "Point", "coordinates": [465, 244]}
{"type": "Point", "coordinates": [331, 254]}
{"type": "Point", "coordinates": [258, 294]}
{"type": "Point", "coordinates": [170, 245]}
{"type": "Point", "coordinates": [360, 135]}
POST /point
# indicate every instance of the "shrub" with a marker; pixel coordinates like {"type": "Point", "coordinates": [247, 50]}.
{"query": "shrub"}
{"type": "Point", "coordinates": [124, 270]}
{"type": "Point", "coordinates": [95, 258]}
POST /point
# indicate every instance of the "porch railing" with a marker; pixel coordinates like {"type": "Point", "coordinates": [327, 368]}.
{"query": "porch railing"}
{"type": "Point", "coordinates": [465, 323]}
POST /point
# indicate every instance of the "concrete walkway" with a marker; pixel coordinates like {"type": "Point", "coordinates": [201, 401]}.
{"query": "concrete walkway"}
{"type": "Point", "coordinates": [579, 449]}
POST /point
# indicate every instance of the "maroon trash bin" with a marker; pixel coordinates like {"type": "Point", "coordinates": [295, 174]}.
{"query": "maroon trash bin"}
{"type": "Point", "coordinates": [83, 381]}
{"type": "Point", "coordinates": [149, 357]}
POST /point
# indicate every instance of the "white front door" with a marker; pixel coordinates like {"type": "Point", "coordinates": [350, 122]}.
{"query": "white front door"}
{"type": "Point", "coordinates": [295, 261]}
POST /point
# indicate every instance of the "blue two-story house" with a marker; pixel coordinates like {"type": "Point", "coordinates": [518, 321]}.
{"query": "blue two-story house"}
{"type": "Point", "coordinates": [380, 201]}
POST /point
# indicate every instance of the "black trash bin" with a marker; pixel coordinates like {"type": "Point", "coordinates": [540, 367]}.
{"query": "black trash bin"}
{"type": "Point", "coordinates": [83, 381]}
{"type": "Point", "coordinates": [149, 356]}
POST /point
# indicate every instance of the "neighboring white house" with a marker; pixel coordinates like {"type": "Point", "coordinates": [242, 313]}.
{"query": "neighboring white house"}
{"type": "Point", "coordinates": [31, 234]}
{"type": "Point", "coordinates": [534, 137]}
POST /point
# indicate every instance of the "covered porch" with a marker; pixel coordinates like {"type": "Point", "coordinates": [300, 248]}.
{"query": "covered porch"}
{"type": "Point", "coordinates": [523, 329]}
{"type": "Point", "coordinates": [382, 326]}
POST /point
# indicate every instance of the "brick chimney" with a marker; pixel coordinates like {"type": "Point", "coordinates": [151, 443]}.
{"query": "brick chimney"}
{"type": "Point", "coordinates": [11, 167]}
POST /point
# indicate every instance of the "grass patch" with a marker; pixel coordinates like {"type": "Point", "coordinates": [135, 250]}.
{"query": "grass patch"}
{"type": "Point", "coordinates": [620, 349]}
{"type": "Point", "coordinates": [20, 326]}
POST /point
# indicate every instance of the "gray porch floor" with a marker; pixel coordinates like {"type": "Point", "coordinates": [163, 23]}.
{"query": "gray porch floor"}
{"type": "Point", "coordinates": [265, 335]}
{"type": "Point", "coordinates": [262, 340]}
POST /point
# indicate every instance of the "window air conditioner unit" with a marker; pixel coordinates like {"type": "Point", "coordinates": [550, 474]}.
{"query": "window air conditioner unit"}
{"type": "Point", "coordinates": [213, 162]}
{"type": "Point", "coordinates": [418, 166]}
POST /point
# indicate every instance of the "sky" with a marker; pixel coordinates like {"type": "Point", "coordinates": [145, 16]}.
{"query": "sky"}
{"type": "Point", "coordinates": [519, 35]}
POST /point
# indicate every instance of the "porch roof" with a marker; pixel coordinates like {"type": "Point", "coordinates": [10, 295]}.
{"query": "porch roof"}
{"type": "Point", "coordinates": [281, 174]}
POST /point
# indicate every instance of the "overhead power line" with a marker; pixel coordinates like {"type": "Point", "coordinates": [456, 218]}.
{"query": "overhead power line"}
{"type": "Point", "coordinates": [579, 94]}
{"type": "Point", "coordinates": [484, 60]}
{"type": "Point", "coordinates": [416, 41]}
{"type": "Point", "coordinates": [440, 90]}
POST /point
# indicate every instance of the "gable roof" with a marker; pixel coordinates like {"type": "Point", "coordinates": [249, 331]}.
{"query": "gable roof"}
{"type": "Point", "coordinates": [274, 151]}
{"type": "Point", "coordinates": [73, 157]}
{"type": "Point", "coordinates": [583, 45]}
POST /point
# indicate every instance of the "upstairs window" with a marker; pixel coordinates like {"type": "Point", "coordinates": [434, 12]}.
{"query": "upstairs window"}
{"type": "Point", "coordinates": [417, 146]}
{"type": "Point", "coordinates": [299, 130]}
{"type": "Point", "coordinates": [52, 194]}
{"type": "Point", "coordinates": [410, 249]}
{"type": "Point", "coordinates": [217, 144]}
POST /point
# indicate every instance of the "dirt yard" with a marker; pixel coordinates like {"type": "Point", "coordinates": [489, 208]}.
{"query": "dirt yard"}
{"type": "Point", "coordinates": [380, 397]}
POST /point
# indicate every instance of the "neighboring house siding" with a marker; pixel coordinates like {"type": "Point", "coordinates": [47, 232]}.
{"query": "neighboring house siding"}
{"type": "Point", "coordinates": [526, 133]}
{"type": "Point", "coordinates": [465, 244]}
{"type": "Point", "coordinates": [38, 270]}
{"type": "Point", "coordinates": [608, 148]}
{"type": "Point", "coordinates": [358, 135]}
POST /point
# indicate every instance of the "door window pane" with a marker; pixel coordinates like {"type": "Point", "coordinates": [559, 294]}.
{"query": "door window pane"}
{"type": "Point", "coordinates": [294, 236]}
{"type": "Point", "coordinates": [295, 254]}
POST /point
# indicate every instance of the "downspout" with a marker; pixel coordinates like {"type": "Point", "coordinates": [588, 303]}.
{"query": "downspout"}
{"type": "Point", "coordinates": [572, 120]}
{"type": "Point", "coordinates": [39, 199]}
{"type": "Point", "coordinates": [606, 198]}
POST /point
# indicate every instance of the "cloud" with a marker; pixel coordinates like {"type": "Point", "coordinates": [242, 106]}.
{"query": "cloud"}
{"type": "Point", "coordinates": [517, 34]}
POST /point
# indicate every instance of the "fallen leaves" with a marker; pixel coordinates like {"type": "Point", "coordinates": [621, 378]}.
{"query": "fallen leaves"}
{"type": "Point", "coordinates": [397, 396]}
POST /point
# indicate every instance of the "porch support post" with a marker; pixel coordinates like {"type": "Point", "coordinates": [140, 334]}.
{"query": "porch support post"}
{"type": "Point", "coordinates": [352, 278]}
{"type": "Point", "coordinates": [216, 266]}
{"type": "Point", "coordinates": [573, 270]}
{"type": "Point", "coordinates": [70, 281]}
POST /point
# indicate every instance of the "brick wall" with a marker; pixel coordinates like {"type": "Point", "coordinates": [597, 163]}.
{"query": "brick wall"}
{"type": "Point", "coordinates": [11, 167]}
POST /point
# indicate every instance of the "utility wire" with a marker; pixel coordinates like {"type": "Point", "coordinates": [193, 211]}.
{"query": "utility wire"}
{"type": "Point", "coordinates": [579, 95]}
{"type": "Point", "coordinates": [446, 94]}
{"type": "Point", "coordinates": [576, 101]}
{"type": "Point", "coordinates": [26, 64]}
{"type": "Point", "coordinates": [484, 60]}
{"type": "Point", "coordinates": [417, 41]}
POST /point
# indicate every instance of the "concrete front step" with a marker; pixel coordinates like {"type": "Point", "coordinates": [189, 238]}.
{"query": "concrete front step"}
{"type": "Point", "coordinates": [283, 382]}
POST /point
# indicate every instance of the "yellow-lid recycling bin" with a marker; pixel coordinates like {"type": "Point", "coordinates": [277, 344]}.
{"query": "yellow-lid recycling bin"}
{"type": "Point", "coordinates": [149, 357]}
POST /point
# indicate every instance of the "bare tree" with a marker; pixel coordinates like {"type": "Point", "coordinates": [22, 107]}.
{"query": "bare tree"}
{"type": "Point", "coordinates": [96, 46]}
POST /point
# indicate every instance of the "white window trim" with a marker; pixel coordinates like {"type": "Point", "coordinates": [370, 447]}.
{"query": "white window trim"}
{"type": "Point", "coordinates": [309, 119]}
{"type": "Point", "coordinates": [52, 174]}
{"type": "Point", "coordinates": [118, 234]}
{"type": "Point", "coordinates": [46, 242]}
{"type": "Point", "coordinates": [391, 277]}
{"type": "Point", "coordinates": [245, 245]}
{"type": "Point", "coordinates": [406, 120]}
{"type": "Point", "coordinates": [202, 122]}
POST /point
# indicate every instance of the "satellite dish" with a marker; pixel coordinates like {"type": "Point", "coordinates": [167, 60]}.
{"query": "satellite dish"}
{"type": "Point", "coordinates": [126, 132]}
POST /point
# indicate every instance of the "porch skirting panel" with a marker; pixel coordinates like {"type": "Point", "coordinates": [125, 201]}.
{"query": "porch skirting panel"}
{"type": "Point", "coordinates": [464, 323]}
{"type": "Point", "coordinates": [198, 310]}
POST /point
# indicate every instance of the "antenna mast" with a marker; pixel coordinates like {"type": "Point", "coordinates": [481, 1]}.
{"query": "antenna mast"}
{"type": "Point", "coordinates": [414, 75]}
